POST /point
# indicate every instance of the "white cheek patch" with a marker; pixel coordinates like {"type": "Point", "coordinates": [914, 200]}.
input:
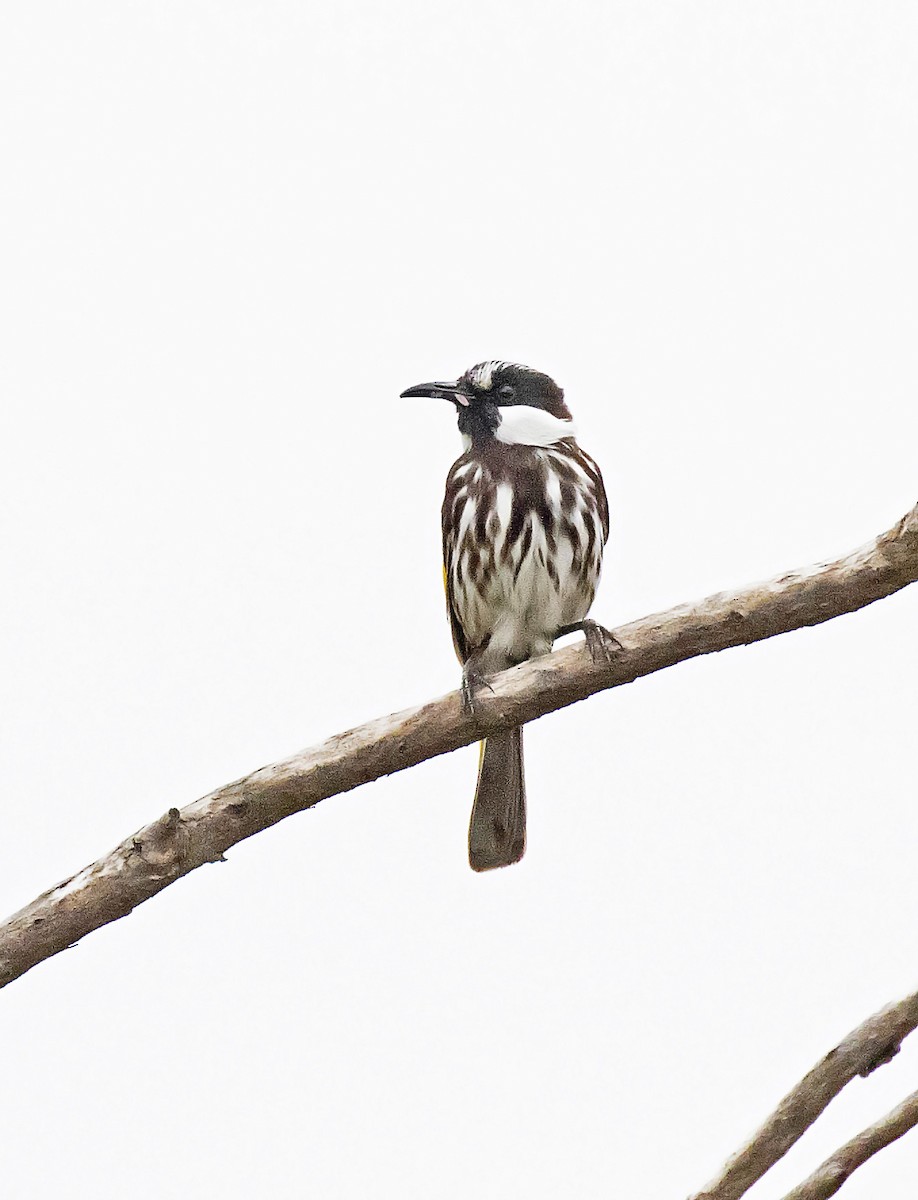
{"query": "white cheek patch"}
{"type": "Point", "coordinates": [523, 425]}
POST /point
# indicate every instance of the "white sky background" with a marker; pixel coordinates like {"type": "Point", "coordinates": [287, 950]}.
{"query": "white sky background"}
{"type": "Point", "coordinates": [232, 234]}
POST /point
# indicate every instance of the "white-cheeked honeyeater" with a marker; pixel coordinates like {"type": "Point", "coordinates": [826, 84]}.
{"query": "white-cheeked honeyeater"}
{"type": "Point", "coordinates": [525, 519]}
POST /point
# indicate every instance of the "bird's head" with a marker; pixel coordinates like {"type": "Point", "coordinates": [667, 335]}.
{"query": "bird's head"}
{"type": "Point", "coordinates": [507, 401]}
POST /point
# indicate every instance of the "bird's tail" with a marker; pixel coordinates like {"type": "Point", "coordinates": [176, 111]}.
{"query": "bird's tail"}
{"type": "Point", "coordinates": [497, 831]}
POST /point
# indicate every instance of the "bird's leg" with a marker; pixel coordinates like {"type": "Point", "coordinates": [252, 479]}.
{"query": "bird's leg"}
{"type": "Point", "coordinates": [472, 681]}
{"type": "Point", "coordinates": [600, 642]}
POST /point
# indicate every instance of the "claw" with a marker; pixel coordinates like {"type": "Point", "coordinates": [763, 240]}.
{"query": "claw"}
{"type": "Point", "coordinates": [600, 642]}
{"type": "Point", "coordinates": [472, 682]}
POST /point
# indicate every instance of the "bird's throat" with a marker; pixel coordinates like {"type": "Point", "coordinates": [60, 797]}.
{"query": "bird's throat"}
{"type": "Point", "coordinates": [479, 421]}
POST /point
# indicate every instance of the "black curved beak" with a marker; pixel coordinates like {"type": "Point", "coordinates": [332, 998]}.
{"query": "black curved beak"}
{"type": "Point", "coordinates": [454, 390]}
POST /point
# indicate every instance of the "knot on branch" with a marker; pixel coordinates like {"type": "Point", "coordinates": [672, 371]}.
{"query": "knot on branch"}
{"type": "Point", "coordinates": [881, 1057]}
{"type": "Point", "coordinates": [163, 845]}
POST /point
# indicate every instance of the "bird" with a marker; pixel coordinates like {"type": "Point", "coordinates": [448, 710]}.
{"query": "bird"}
{"type": "Point", "coordinates": [524, 521]}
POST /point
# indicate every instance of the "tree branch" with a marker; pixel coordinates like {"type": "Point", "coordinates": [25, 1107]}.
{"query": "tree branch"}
{"type": "Point", "coordinates": [866, 1048]}
{"type": "Point", "coordinates": [179, 842]}
{"type": "Point", "coordinates": [827, 1179]}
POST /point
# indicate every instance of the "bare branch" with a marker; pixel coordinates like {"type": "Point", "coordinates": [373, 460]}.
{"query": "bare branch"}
{"type": "Point", "coordinates": [827, 1179]}
{"type": "Point", "coordinates": [872, 1044]}
{"type": "Point", "coordinates": [179, 842]}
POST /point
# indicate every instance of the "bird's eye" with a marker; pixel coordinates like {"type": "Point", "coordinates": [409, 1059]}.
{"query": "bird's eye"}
{"type": "Point", "coordinates": [508, 391]}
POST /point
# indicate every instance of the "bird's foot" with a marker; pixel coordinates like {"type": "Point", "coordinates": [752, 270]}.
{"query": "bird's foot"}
{"type": "Point", "coordinates": [472, 681]}
{"type": "Point", "coordinates": [600, 642]}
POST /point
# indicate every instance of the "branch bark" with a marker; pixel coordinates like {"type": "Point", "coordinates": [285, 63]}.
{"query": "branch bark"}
{"type": "Point", "coordinates": [827, 1179]}
{"type": "Point", "coordinates": [875, 1042]}
{"type": "Point", "coordinates": [177, 843]}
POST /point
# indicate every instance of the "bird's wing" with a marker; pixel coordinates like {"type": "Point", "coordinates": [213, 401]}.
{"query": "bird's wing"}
{"type": "Point", "coordinates": [460, 642]}
{"type": "Point", "coordinates": [602, 502]}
